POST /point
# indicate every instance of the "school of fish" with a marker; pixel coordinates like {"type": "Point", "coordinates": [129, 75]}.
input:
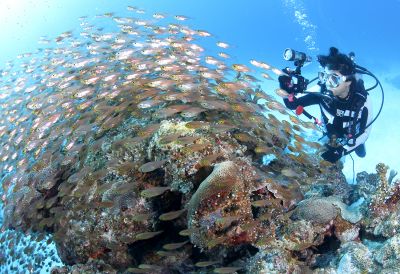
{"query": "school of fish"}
{"type": "Point", "coordinates": [78, 115]}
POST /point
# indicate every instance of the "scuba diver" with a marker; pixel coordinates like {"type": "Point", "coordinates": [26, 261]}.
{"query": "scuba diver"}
{"type": "Point", "coordinates": [344, 103]}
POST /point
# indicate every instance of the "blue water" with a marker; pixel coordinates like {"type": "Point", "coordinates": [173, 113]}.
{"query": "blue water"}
{"type": "Point", "coordinates": [257, 29]}
{"type": "Point", "coordinates": [260, 29]}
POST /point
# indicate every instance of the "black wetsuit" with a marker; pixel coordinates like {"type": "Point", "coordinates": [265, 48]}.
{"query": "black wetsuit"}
{"type": "Point", "coordinates": [338, 114]}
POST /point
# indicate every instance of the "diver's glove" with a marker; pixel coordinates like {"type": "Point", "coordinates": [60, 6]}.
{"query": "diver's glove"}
{"type": "Point", "coordinates": [333, 154]}
{"type": "Point", "coordinates": [285, 81]}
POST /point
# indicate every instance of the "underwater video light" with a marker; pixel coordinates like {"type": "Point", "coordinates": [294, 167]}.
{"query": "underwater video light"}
{"type": "Point", "coordinates": [294, 55]}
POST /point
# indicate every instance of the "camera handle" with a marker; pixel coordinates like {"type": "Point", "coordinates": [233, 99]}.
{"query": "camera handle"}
{"type": "Point", "coordinates": [301, 83]}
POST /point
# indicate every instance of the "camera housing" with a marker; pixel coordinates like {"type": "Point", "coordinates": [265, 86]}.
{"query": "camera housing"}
{"type": "Point", "coordinates": [294, 82]}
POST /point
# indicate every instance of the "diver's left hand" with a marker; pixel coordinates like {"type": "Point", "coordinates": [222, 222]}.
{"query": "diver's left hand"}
{"type": "Point", "coordinates": [333, 154]}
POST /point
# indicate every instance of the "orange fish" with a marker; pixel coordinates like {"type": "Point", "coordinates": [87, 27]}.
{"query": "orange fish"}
{"type": "Point", "coordinates": [240, 68]}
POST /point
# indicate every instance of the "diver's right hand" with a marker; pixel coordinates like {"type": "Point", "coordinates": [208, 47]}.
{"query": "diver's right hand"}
{"type": "Point", "coordinates": [285, 83]}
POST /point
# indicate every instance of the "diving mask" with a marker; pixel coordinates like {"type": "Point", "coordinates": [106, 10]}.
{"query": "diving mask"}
{"type": "Point", "coordinates": [331, 79]}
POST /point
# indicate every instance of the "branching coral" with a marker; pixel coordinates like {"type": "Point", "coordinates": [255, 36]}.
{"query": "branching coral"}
{"type": "Point", "coordinates": [387, 198]}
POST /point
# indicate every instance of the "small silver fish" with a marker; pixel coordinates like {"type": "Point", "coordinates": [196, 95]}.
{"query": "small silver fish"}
{"type": "Point", "coordinates": [222, 45]}
{"type": "Point", "coordinates": [288, 172]}
{"type": "Point", "coordinates": [171, 215]}
{"type": "Point", "coordinates": [154, 191]}
{"type": "Point", "coordinates": [174, 246]}
{"type": "Point", "coordinates": [206, 263]}
{"type": "Point", "coordinates": [149, 103]}
{"type": "Point", "coordinates": [192, 112]}
{"type": "Point", "coordinates": [147, 235]}
{"type": "Point", "coordinates": [151, 166]}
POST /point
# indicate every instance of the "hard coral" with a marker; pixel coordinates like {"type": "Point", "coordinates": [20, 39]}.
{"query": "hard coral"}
{"type": "Point", "coordinates": [316, 210]}
{"type": "Point", "coordinates": [219, 207]}
{"type": "Point", "coordinates": [323, 210]}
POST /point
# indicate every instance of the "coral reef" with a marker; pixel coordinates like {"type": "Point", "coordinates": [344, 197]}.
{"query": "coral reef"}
{"type": "Point", "coordinates": [389, 254]}
{"type": "Point", "coordinates": [163, 160]}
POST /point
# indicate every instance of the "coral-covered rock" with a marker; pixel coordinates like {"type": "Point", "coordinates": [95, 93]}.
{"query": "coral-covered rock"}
{"type": "Point", "coordinates": [102, 234]}
{"type": "Point", "coordinates": [325, 214]}
{"type": "Point", "coordinates": [367, 184]}
{"type": "Point", "coordinates": [389, 254]}
{"type": "Point", "coordinates": [219, 207]}
{"type": "Point", "coordinates": [325, 270]}
{"type": "Point", "coordinates": [274, 260]}
{"type": "Point", "coordinates": [90, 267]}
{"type": "Point", "coordinates": [331, 183]}
{"type": "Point", "coordinates": [389, 226]}
{"type": "Point", "coordinates": [300, 235]}
{"type": "Point", "coordinates": [190, 150]}
{"type": "Point", "coordinates": [355, 258]}
{"type": "Point", "coordinates": [345, 231]}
